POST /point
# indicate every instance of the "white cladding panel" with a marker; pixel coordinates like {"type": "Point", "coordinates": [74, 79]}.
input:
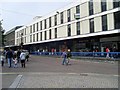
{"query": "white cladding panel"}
{"type": "Point", "coordinates": [53, 33]}
{"type": "Point", "coordinates": [110, 21]}
{"type": "Point", "coordinates": [73, 29]}
{"type": "Point", "coordinates": [84, 27]}
{"type": "Point", "coordinates": [62, 31]}
{"type": "Point", "coordinates": [97, 24]}
{"type": "Point", "coordinates": [73, 11]}
{"type": "Point", "coordinates": [84, 10]}
{"type": "Point", "coordinates": [65, 16]}
{"type": "Point", "coordinates": [109, 4]}
{"type": "Point", "coordinates": [98, 5]}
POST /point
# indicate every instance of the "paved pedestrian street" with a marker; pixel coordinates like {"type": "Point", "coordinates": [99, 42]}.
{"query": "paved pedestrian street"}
{"type": "Point", "coordinates": [47, 72]}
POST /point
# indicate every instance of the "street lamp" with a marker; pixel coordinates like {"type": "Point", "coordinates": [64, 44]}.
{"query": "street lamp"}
{"type": "Point", "coordinates": [21, 44]}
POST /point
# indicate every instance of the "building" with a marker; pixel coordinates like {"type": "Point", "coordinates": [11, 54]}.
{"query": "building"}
{"type": "Point", "coordinates": [82, 26]}
{"type": "Point", "coordinates": [10, 37]}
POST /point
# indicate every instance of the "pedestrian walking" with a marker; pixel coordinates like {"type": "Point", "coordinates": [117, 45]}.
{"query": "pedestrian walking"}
{"type": "Point", "coordinates": [9, 57]}
{"type": "Point", "coordinates": [27, 55]}
{"type": "Point", "coordinates": [64, 56]}
{"type": "Point", "coordinates": [107, 51]}
{"type": "Point", "coordinates": [2, 59]}
{"type": "Point", "coordinates": [15, 59]}
{"type": "Point", "coordinates": [69, 55]}
{"type": "Point", "coordinates": [22, 58]}
{"type": "Point", "coordinates": [18, 55]}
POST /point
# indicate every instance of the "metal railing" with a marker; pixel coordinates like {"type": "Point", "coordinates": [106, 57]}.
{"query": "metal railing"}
{"type": "Point", "coordinates": [82, 54]}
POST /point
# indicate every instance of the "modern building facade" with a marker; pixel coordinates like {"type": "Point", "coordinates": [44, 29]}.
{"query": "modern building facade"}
{"type": "Point", "coordinates": [81, 26]}
{"type": "Point", "coordinates": [10, 37]}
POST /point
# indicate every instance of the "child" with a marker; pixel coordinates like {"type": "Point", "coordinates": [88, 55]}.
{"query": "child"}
{"type": "Point", "coordinates": [2, 60]}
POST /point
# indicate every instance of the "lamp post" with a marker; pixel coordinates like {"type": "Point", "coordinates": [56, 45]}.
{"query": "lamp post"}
{"type": "Point", "coordinates": [21, 44]}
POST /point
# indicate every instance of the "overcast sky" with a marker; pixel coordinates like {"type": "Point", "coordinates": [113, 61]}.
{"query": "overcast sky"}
{"type": "Point", "coordinates": [20, 13]}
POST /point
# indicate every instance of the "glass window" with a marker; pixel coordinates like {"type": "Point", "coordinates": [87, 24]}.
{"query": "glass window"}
{"type": "Point", "coordinates": [117, 20]}
{"type": "Point", "coordinates": [68, 15]}
{"type": "Point", "coordinates": [37, 36]}
{"type": "Point", "coordinates": [91, 25]}
{"type": "Point", "coordinates": [33, 37]}
{"type": "Point", "coordinates": [50, 34]}
{"type": "Point", "coordinates": [91, 7]}
{"type": "Point", "coordinates": [41, 25]}
{"type": "Point", "coordinates": [55, 32]}
{"type": "Point", "coordinates": [45, 24]}
{"type": "Point", "coordinates": [78, 28]}
{"type": "Point", "coordinates": [30, 38]}
{"type": "Point", "coordinates": [37, 26]}
{"type": "Point", "coordinates": [103, 5]}
{"type": "Point", "coordinates": [55, 20]}
{"type": "Point", "coordinates": [45, 35]}
{"type": "Point", "coordinates": [116, 3]}
{"type": "Point", "coordinates": [69, 30]}
{"type": "Point", "coordinates": [104, 22]}
{"type": "Point", "coordinates": [78, 9]}
{"type": "Point", "coordinates": [49, 21]}
{"type": "Point", "coordinates": [61, 15]}
{"type": "Point", "coordinates": [40, 36]}
{"type": "Point", "coordinates": [33, 27]}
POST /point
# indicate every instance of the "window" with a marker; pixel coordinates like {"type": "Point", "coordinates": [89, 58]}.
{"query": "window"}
{"type": "Point", "coordinates": [33, 27]}
{"type": "Point", "coordinates": [69, 30]}
{"type": "Point", "coordinates": [104, 22]}
{"type": "Point", "coordinates": [78, 9]}
{"type": "Point", "coordinates": [103, 5]}
{"type": "Point", "coordinates": [78, 28]}
{"type": "Point", "coordinates": [91, 7]}
{"type": "Point", "coordinates": [116, 3]}
{"type": "Point", "coordinates": [91, 25]}
{"type": "Point", "coordinates": [49, 21]}
{"type": "Point", "coordinates": [30, 38]}
{"type": "Point", "coordinates": [45, 24]}
{"type": "Point", "coordinates": [55, 32]}
{"type": "Point", "coordinates": [61, 15]}
{"type": "Point", "coordinates": [40, 36]}
{"type": "Point", "coordinates": [41, 25]}
{"type": "Point", "coordinates": [37, 36]}
{"type": "Point", "coordinates": [25, 31]}
{"type": "Point", "coordinates": [117, 20]}
{"type": "Point", "coordinates": [33, 37]}
{"type": "Point", "coordinates": [50, 34]}
{"type": "Point", "coordinates": [55, 19]}
{"type": "Point", "coordinates": [37, 26]}
{"type": "Point", "coordinates": [68, 15]}
{"type": "Point", "coordinates": [45, 35]}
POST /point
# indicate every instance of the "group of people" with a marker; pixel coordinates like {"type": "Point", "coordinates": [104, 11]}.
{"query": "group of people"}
{"type": "Point", "coordinates": [14, 57]}
{"type": "Point", "coordinates": [66, 57]}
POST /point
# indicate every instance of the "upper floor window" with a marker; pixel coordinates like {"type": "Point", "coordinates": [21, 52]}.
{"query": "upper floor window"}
{"type": "Point", "coordinates": [50, 34]}
{"type": "Point", "coordinates": [30, 38]}
{"type": "Point", "coordinates": [49, 21]}
{"type": "Point", "coordinates": [117, 20]}
{"type": "Point", "coordinates": [33, 27]}
{"type": "Point", "coordinates": [69, 30]}
{"type": "Point", "coordinates": [40, 36]}
{"type": "Point", "coordinates": [45, 35]}
{"type": "Point", "coordinates": [78, 28]}
{"type": "Point", "coordinates": [41, 25]}
{"type": "Point", "coordinates": [103, 5]}
{"type": "Point", "coordinates": [91, 7]}
{"type": "Point", "coordinates": [104, 23]}
{"type": "Point", "coordinates": [37, 36]}
{"type": "Point", "coordinates": [116, 3]}
{"type": "Point", "coordinates": [55, 32]}
{"type": "Point", "coordinates": [45, 24]}
{"type": "Point", "coordinates": [78, 9]}
{"type": "Point", "coordinates": [33, 37]}
{"type": "Point", "coordinates": [91, 25]}
{"type": "Point", "coordinates": [37, 26]}
{"type": "Point", "coordinates": [55, 17]}
{"type": "Point", "coordinates": [68, 15]}
{"type": "Point", "coordinates": [61, 16]}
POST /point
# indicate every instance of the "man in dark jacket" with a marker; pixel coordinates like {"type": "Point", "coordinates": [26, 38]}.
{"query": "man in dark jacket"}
{"type": "Point", "coordinates": [9, 57]}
